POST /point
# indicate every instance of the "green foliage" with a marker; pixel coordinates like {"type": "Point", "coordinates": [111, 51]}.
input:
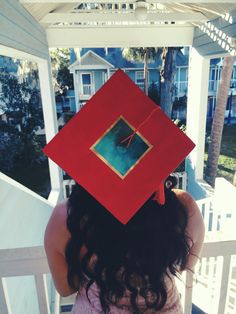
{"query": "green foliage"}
{"type": "Point", "coordinates": [63, 79]}
{"type": "Point", "coordinates": [227, 159]}
{"type": "Point", "coordinates": [153, 93]}
{"type": "Point", "coordinates": [21, 104]}
{"type": "Point", "coordinates": [138, 54]}
{"type": "Point", "coordinates": [10, 148]}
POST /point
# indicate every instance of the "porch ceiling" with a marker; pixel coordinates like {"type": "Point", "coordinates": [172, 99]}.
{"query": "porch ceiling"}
{"type": "Point", "coordinates": [105, 13]}
{"type": "Point", "coordinates": [70, 23]}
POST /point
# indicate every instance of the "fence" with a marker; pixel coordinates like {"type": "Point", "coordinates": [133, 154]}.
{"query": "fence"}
{"type": "Point", "coordinates": [69, 183]}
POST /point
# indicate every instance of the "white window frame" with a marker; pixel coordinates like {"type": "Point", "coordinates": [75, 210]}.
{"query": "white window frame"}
{"type": "Point", "coordinates": [104, 77]}
{"type": "Point", "coordinates": [181, 85]}
{"type": "Point", "coordinates": [91, 85]}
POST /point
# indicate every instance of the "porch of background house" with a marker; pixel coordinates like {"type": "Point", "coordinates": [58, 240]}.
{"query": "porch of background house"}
{"type": "Point", "coordinates": [29, 28]}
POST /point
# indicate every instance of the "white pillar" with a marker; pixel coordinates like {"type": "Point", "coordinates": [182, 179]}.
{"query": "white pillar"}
{"type": "Point", "coordinates": [197, 109]}
{"type": "Point", "coordinates": [50, 117]}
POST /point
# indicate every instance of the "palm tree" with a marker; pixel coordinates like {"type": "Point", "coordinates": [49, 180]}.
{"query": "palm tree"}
{"type": "Point", "coordinates": [167, 76]}
{"type": "Point", "coordinates": [167, 73]}
{"type": "Point", "coordinates": [141, 55]}
{"type": "Point", "coordinates": [218, 120]}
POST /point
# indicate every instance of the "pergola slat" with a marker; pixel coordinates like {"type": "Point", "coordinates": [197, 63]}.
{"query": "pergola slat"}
{"type": "Point", "coordinates": [120, 17]}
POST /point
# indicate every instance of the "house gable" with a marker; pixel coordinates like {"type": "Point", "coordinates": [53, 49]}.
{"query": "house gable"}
{"type": "Point", "coordinates": [90, 60]}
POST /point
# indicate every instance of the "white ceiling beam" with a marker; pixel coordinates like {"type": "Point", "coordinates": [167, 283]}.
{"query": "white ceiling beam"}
{"type": "Point", "coordinates": [120, 17]}
{"type": "Point", "coordinates": [128, 1]}
{"type": "Point", "coordinates": [119, 37]}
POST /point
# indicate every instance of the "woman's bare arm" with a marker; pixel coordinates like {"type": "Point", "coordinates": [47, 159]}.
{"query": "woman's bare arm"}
{"type": "Point", "coordinates": [195, 227]}
{"type": "Point", "coordinates": [55, 240]}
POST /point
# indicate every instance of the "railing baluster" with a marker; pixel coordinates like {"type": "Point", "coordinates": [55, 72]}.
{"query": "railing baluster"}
{"type": "Point", "coordinates": [224, 283]}
{"type": "Point", "coordinates": [4, 299]}
{"type": "Point", "coordinates": [188, 293]}
{"type": "Point", "coordinates": [41, 287]}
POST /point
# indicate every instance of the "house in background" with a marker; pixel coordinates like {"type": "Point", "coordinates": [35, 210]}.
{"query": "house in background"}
{"type": "Point", "coordinates": [214, 80]}
{"type": "Point", "coordinates": [95, 65]}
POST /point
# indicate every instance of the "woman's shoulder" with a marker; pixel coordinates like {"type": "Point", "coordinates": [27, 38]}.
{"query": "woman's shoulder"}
{"type": "Point", "coordinates": [195, 227]}
{"type": "Point", "coordinates": [187, 200]}
{"type": "Point", "coordinates": [57, 234]}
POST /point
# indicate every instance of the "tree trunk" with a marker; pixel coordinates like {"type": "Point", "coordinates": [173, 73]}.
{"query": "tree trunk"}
{"type": "Point", "coordinates": [218, 120]}
{"type": "Point", "coordinates": [167, 79]}
{"type": "Point", "coordinates": [146, 71]}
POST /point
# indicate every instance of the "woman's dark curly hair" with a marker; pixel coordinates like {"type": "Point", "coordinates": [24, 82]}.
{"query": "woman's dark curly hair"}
{"type": "Point", "coordinates": [135, 257]}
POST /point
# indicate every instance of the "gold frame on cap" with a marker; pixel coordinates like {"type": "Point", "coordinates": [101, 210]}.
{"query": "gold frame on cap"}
{"type": "Point", "coordinates": [150, 146]}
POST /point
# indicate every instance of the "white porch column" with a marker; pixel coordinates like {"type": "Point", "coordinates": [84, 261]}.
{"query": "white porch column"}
{"type": "Point", "coordinates": [197, 109]}
{"type": "Point", "coordinates": [50, 119]}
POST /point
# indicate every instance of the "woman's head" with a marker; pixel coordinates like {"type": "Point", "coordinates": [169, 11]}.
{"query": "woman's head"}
{"type": "Point", "coordinates": [134, 257]}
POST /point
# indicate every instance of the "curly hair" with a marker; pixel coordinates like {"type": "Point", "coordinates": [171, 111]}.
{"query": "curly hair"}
{"type": "Point", "coordinates": [135, 257]}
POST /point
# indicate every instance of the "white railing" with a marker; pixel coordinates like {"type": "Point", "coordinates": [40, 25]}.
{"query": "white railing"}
{"type": "Point", "coordinates": [69, 183]}
{"type": "Point", "coordinates": [210, 217]}
{"type": "Point", "coordinates": [26, 262]}
{"type": "Point", "coordinates": [212, 288]}
{"type": "Point", "coordinates": [87, 89]}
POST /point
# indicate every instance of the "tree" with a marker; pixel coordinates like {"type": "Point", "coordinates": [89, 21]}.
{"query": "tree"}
{"type": "Point", "coordinates": [218, 120]}
{"type": "Point", "coordinates": [62, 78]}
{"type": "Point", "coordinates": [167, 75]}
{"type": "Point", "coordinates": [153, 93]}
{"type": "Point", "coordinates": [141, 55]}
{"type": "Point", "coordinates": [22, 106]}
{"type": "Point", "coordinates": [10, 147]}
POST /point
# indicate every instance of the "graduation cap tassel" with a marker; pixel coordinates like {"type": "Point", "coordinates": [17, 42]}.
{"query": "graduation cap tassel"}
{"type": "Point", "coordinates": [131, 136]}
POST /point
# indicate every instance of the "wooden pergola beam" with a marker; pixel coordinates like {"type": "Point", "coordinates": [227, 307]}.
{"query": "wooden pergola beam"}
{"type": "Point", "coordinates": [83, 37]}
{"type": "Point", "coordinates": [126, 1]}
{"type": "Point", "coordinates": [120, 17]}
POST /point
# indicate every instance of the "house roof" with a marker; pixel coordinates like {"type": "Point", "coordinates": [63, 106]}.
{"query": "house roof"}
{"type": "Point", "coordinates": [90, 59]}
{"type": "Point", "coordinates": [114, 56]}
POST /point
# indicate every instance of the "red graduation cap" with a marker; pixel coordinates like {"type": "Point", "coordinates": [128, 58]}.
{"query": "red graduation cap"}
{"type": "Point", "coordinates": [120, 147]}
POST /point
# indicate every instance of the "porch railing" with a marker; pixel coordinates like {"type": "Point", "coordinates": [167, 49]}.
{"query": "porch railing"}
{"type": "Point", "coordinates": [69, 183]}
{"type": "Point", "coordinates": [32, 261]}
{"type": "Point", "coordinates": [26, 262]}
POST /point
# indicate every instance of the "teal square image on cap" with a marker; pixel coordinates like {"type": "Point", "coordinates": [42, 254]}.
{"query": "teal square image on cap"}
{"type": "Point", "coordinates": [119, 156]}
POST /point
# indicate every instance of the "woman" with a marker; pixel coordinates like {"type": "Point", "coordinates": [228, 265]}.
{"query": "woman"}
{"type": "Point", "coordinates": [119, 268]}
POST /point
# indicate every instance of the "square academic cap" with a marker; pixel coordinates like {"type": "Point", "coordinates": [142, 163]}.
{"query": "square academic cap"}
{"type": "Point", "coordinates": [120, 147]}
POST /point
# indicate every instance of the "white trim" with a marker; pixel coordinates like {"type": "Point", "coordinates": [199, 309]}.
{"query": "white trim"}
{"type": "Point", "coordinates": [88, 67]}
{"type": "Point", "coordinates": [78, 63]}
{"type": "Point", "coordinates": [169, 36]}
{"type": "Point", "coordinates": [97, 56]}
{"type": "Point", "coordinates": [51, 18]}
{"type": "Point", "coordinates": [18, 54]}
{"type": "Point", "coordinates": [81, 85]}
{"type": "Point", "coordinates": [197, 109]}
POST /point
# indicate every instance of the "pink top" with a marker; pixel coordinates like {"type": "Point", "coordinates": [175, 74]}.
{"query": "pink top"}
{"type": "Point", "coordinates": [83, 306]}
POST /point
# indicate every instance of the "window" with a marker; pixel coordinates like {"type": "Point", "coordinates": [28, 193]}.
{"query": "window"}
{"type": "Point", "coordinates": [233, 78]}
{"type": "Point", "coordinates": [139, 78]}
{"type": "Point", "coordinates": [211, 106]}
{"type": "Point", "coordinates": [181, 80]}
{"type": "Point", "coordinates": [104, 77]}
{"type": "Point", "coordinates": [214, 78]}
{"type": "Point", "coordinates": [86, 82]}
